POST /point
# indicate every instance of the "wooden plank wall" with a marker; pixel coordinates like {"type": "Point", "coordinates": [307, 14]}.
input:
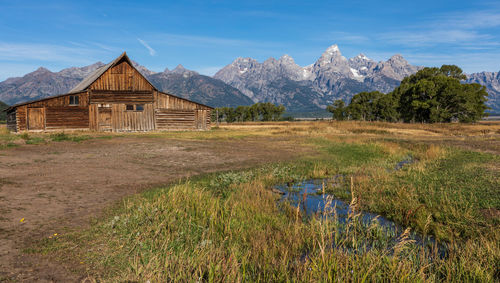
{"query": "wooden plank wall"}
{"type": "Point", "coordinates": [166, 101]}
{"type": "Point", "coordinates": [123, 120]}
{"type": "Point", "coordinates": [173, 119]}
{"type": "Point", "coordinates": [62, 101]}
{"type": "Point", "coordinates": [57, 102]}
{"type": "Point", "coordinates": [174, 113]}
{"type": "Point", "coordinates": [66, 117]}
{"type": "Point", "coordinates": [22, 122]}
{"type": "Point", "coordinates": [121, 96]}
{"type": "Point", "coordinates": [121, 77]}
{"type": "Point", "coordinates": [12, 121]}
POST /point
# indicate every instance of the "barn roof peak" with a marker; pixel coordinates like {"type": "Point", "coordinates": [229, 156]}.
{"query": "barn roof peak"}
{"type": "Point", "coordinates": [85, 83]}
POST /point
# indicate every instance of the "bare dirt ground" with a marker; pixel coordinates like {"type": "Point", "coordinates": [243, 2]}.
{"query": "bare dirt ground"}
{"type": "Point", "coordinates": [60, 185]}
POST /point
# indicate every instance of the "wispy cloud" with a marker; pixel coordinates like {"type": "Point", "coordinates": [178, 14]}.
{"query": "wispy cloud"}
{"type": "Point", "coordinates": [152, 52]}
{"type": "Point", "coordinates": [212, 41]}
{"type": "Point", "coordinates": [432, 37]}
{"type": "Point", "coordinates": [470, 20]}
{"type": "Point", "coordinates": [464, 29]}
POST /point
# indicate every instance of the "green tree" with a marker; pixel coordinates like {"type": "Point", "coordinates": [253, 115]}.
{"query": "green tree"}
{"type": "Point", "coordinates": [278, 112]}
{"type": "Point", "coordinates": [338, 110]}
{"type": "Point", "coordinates": [363, 106]}
{"type": "Point", "coordinates": [386, 108]}
{"type": "Point", "coordinates": [257, 112]}
{"type": "Point", "coordinates": [437, 95]}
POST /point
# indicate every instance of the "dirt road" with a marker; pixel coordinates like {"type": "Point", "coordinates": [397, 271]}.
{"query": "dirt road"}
{"type": "Point", "coordinates": [44, 189]}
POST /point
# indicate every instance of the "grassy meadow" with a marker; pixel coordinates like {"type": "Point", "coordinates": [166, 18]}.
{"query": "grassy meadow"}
{"type": "Point", "coordinates": [231, 227]}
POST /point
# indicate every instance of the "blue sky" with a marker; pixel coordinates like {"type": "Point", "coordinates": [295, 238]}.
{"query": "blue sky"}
{"type": "Point", "coordinates": [207, 35]}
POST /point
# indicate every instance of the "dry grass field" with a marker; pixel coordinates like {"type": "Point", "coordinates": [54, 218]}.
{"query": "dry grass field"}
{"type": "Point", "coordinates": [59, 192]}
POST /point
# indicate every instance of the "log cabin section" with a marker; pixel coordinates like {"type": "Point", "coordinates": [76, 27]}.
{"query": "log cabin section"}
{"type": "Point", "coordinates": [115, 97]}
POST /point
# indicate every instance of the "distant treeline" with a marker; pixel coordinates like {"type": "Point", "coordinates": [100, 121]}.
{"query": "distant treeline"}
{"type": "Point", "coordinates": [432, 95]}
{"type": "Point", "coordinates": [257, 112]}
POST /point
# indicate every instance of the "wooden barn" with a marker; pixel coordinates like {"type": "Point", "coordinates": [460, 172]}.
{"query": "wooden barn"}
{"type": "Point", "coordinates": [115, 97]}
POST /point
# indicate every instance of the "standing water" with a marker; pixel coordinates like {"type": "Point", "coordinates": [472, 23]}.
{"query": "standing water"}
{"type": "Point", "coordinates": [311, 198]}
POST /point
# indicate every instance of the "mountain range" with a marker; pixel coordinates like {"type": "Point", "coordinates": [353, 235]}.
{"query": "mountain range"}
{"type": "Point", "coordinates": [188, 84]}
{"type": "Point", "coordinates": [246, 81]}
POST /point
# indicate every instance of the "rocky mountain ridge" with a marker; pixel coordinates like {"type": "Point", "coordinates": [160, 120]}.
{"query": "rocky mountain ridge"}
{"type": "Point", "coordinates": [180, 81]}
{"type": "Point", "coordinates": [245, 81]}
{"type": "Point", "coordinates": [331, 77]}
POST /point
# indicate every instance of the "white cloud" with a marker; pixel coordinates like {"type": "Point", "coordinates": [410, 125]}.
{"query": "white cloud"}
{"type": "Point", "coordinates": [152, 52]}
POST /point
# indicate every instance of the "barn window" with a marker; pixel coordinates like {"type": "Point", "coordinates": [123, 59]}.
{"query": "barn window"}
{"type": "Point", "coordinates": [129, 107]}
{"type": "Point", "coordinates": [139, 107]}
{"type": "Point", "coordinates": [73, 100]}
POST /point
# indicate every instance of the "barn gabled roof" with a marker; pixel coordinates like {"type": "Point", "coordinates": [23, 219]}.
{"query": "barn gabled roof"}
{"type": "Point", "coordinates": [90, 79]}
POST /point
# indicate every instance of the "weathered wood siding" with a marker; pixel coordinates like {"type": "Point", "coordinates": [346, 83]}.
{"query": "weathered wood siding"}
{"type": "Point", "coordinates": [123, 96]}
{"type": "Point", "coordinates": [172, 119]}
{"type": "Point", "coordinates": [22, 124]}
{"type": "Point", "coordinates": [66, 117]}
{"type": "Point", "coordinates": [37, 112]}
{"type": "Point", "coordinates": [121, 77]}
{"type": "Point", "coordinates": [130, 120]}
{"type": "Point", "coordinates": [12, 121]}
{"type": "Point", "coordinates": [175, 113]}
{"type": "Point", "coordinates": [179, 119]}
{"type": "Point", "coordinates": [62, 100]}
{"type": "Point", "coordinates": [166, 101]}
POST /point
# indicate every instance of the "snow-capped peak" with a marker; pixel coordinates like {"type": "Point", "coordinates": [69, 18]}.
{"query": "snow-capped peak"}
{"type": "Point", "coordinates": [286, 58]}
{"type": "Point", "coordinates": [356, 75]}
{"type": "Point", "coordinates": [333, 49]}
{"type": "Point", "coordinates": [362, 57]}
{"type": "Point", "coordinates": [333, 59]}
{"type": "Point", "coordinates": [242, 60]}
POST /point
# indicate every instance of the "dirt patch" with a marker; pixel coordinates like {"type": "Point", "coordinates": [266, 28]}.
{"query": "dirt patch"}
{"type": "Point", "coordinates": [47, 189]}
{"type": "Point", "coordinates": [491, 213]}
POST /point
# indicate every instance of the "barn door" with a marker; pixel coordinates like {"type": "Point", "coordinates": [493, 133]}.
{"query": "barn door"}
{"type": "Point", "coordinates": [104, 118]}
{"type": "Point", "coordinates": [36, 119]}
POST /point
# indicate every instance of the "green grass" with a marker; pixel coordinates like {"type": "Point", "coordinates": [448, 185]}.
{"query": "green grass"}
{"type": "Point", "coordinates": [29, 139]}
{"type": "Point", "coordinates": [227, 226]}
{"type": "Point", "coordinates": [8, 145]}
{"type": "Point", "coordinates": [58, 137]}
{"type": "Point", "coordinates": [7, 139]}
